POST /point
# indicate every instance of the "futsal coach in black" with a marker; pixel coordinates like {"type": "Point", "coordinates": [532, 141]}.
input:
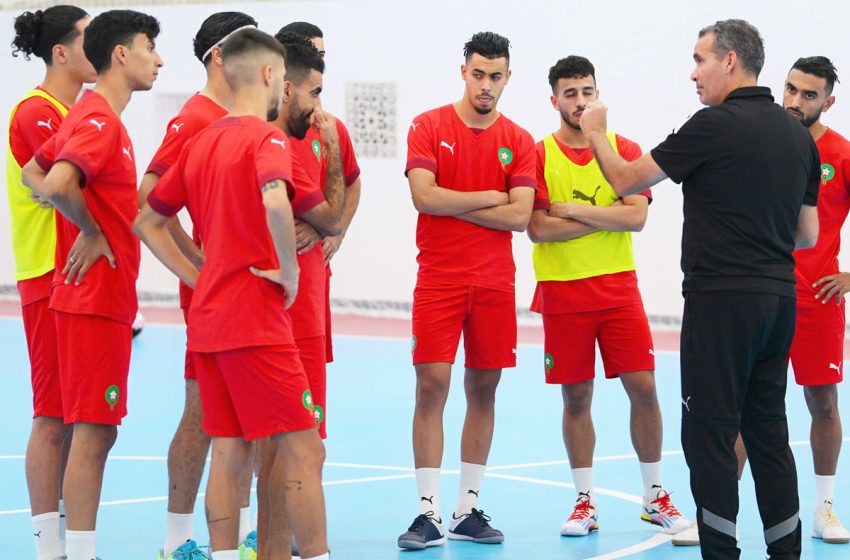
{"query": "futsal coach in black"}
{"type": "Point", "coordinates": [750, 176]}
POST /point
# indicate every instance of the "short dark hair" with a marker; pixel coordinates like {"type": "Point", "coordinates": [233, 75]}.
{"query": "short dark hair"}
{"type": "Point", "coordinates": [37, 32]}
{"type": "Point", "coordinates": [113, 28]}
{"type": "Point", "coordinates": [250, 41]}
{"type": "Point", "coordinates": [819, 66]}
{"type": "Point", "coordinates": [739, 36]}
{"type": "Point", "coordinates": [215, 28]}
{"type": "Point", "coordinates": [302, 28]}
{"type": "Point", "coordinates": [489, 45]}
{"type": "Point", "coordinates": [301, 56]}
{"type": "Point", "coordinates": [571, 67]}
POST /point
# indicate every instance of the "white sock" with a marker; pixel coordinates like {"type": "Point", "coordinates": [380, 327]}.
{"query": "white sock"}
{"type": "Point", "coordinates": [325, 556]}
{"type": "Point", "coordinates": [226, 555]}
{"type": "Point", "coordinates": [62, 524]}
{"type": "Point", "coordinates": [583, 481]}
{"type": "Point", "coordinates": [471, 477]}
{"type": "Point", "coordinates": [824, 489]}
{"type": "Point", "coordinates": [244, 523]}
{"type": "Point", "coordinates": [651, 475]}
{"type": "Point", "coordinates": [45, 530]}
{"type": "Point", "coordinates": [428, 485]}
{"type": "Point", "coordinates": [79, 545]}
{"type": "Point", "coordinates": [178, 530]}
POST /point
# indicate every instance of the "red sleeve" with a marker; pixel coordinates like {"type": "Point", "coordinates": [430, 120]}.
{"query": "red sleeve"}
{"type": "Point", "coordinates": [273, 160]}
{"type": "Point", "coordinates": [90, 145]}
{"type": "Point", "coordinates": [35, 121]}
{"type": "Point", "coordinates": [307, 194]}
{"type": "Point", "coordinates": [180, 129]}
{"type": "Point", "coordinates": [169, 195]}
{"type": "Point", "coordinates": [523, 172]}
{"type": "Point", "coordinates": [46, 154]}
{"type": "Point", "coordinates": [630, 151]}
{"type": "Point", "coordinates": [350, 168]}
{"type": "Point", "coordinates": [420, 145]}
{"type": "Point", "coordinates": [541, 192]}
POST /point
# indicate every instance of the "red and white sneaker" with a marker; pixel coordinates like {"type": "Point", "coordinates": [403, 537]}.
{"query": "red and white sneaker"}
{"type": "Point", "coordinates": [663, 513]}
{"type": "Point", "coordinates": [582, 520]}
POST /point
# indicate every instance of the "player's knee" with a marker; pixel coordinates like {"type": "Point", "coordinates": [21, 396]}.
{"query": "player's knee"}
{"type": "Point", "coordinates": [578, 397]}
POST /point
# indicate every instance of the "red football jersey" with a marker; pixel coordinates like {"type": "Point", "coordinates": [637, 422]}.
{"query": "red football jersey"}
{"type": "Point", "coordinates": [500, 157]}
{"type": "Point", "coordinates": [219, 177]}
{"type": "Point", "coordinates": [195, 115]}
{"type": "Point", "coordinates": [597, 292]}
{"type": "Point", "coordinates": [308, 311]}
{"type": "Point", "coordinates": [833, 206]}
{"type": "Point", "coordinates": [36, 120]}
{"type": "Point", "coordinates": [313, 155]}
{"type": "Point", "coordinates": [93, 138]}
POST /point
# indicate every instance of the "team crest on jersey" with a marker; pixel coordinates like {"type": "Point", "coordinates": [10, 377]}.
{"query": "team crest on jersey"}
{"type": "Point", "coordinates": [548, 363]}
{"type": "Point", "coordinates": [112, 395]}
{"type": "Point", "coordinates": [827, 172]}
{"type": "Point", "coordinates": [505, 156]}
{"type": "Point", "coordinates": [317, 149]}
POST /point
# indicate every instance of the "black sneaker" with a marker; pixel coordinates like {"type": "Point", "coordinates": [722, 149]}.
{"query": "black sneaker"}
{"type": "Point", "coordinates": [423, 532]}
{"type": "Point", "coordinates": [474, 527]}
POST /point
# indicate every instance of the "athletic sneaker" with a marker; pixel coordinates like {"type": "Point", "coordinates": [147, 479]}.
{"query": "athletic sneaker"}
{"type": "Point", "coordinates": [186, 551]}
{"type": "Point", "coordinates": [688, 537]}
{"type": "Point", "coordinates": [423, 532]}
{"type": "Point", "coordinates": [248, 549]}
{"type": "Point", "coordinates": [827, 526]}
{"type": "Point", "coordinates": [662, 512]}
{"type": "Point", "coordinates": [474, 527]}
{"type": "Point", "coordinates": [582, 520]}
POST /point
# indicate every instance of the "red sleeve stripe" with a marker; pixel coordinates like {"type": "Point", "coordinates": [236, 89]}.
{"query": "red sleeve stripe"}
{"type": "Point", "coordinates": [269, 176]}
{"type": "Point", "coordinates": [158, 168]}
{"type": "Point", "coordinates": [423, 163]}
{"type": "Point", "coordinates": [160, 206]}
{"type": "Point", "coordinates": [80, 162]}
{"type": "Point", "coordinates": [521, 181]}
{"type": "Point", "coordinates": [351, 177]}
{"type": "Point", "coordinates": [307, 202]}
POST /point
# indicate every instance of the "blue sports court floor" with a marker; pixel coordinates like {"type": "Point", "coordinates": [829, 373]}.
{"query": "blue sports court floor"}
{"type": "Point", "coordinates": [369, 485]}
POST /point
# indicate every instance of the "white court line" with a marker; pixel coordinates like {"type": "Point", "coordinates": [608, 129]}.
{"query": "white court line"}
{"type": "Point", "coordinates": [652, 542]}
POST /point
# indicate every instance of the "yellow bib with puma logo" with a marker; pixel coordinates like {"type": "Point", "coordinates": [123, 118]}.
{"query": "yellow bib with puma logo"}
{"type": "Point", "coordinates": [33, 227]}
{"type": "Point", "coordinates": [595, 254]}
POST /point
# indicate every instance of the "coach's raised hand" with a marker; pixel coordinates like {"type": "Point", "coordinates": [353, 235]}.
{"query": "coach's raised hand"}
{"type": "Point", "coordinates": [594, 118]}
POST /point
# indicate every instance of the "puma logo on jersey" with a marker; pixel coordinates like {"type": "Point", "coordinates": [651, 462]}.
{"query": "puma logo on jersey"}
{"type": "Point", "coordinates": [651, 352]}
{"type": "Point", "coordinates": [99, 125]}
{"type": "Point", "coordinates": [444, 144]}
{"type": "Point", "coordinates": [281, 143]}
{"type": "Point", "coordinates": [177, 127]}
{"type": "Point", "coordinates": [836, 367]}
{"type": "Point", "coordinates": [581, 196]}
{"type": "Point", "coordinates": [46, 124]}
{"type": "Point", "coordinates": [413, 125]}
{"type": "Point", "coordinates": [127, 153]}
{"type": "Point", "coordinates": [685, 402]}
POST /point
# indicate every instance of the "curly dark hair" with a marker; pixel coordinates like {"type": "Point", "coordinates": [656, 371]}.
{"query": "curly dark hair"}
{"type": "Point", "coordinates": [37, 32]}
{"type": "Point", "coordinates": [571, 67]}
{"type": "Point", "coordinates": [301, 56]}
{"type": "Point", "coordinates": [217, 27]}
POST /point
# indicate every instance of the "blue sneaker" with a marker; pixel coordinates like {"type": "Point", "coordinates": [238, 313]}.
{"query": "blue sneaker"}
{"type": "Point", "coordinates": [248, 549]}
{"type": "Point", "coordinates": [425, 531]}
{"type": "Point", "coordinates": [187, 551]}
{"type": "Point", "coordinates": [474, 527]}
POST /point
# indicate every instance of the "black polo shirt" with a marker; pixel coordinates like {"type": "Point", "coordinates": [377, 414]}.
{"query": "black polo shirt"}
{"type": "Point", "coordinates": [747, 167]}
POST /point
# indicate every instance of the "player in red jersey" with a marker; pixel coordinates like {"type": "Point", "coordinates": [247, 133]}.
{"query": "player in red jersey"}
{"type": "Point", "coordinates": [249, 263]}
{"type": "Point", "coordinates": [187, 453]}
{"type": "Point", "coordinates": [472, 175]}
{"type": "Point", "coordinates": [307, 237]}
{"type": "Point", "coordinates": [56, 36]}
{"type": "Point", "coordinates": [93, 292]}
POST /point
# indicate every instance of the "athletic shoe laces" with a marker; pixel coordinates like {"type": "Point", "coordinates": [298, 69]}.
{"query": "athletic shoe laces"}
{"type": "Point", "coordinates": [420, 520]}
{"type": "Point", "coordinates": [582, 509]}
{"type": "Point", "coordinates": [665, 506]}
{"type": "Point", "coordinates": [481, 517]}
{"type": "Point", "coordinates": [828, 516]}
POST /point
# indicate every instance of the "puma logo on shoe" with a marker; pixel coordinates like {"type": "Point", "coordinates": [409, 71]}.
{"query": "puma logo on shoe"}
{"type": "Point", "coordinates": [429, 500]}
{"type": "Point", "coordinates": [685, 402]}
{"type": "Point", "coordinates": [444, 144]}
{"type": "Point", "coordinates": [581, 196]}
{"type": "Point", "coordinates": [473, 492]}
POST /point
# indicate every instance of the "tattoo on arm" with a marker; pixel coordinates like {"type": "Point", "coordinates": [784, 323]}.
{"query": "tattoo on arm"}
{"type": "Point", "coordinates": [293, 485]}
{"type": "Point", "coordinates": [271, 185]}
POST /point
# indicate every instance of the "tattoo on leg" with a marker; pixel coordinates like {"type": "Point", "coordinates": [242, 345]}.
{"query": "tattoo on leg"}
{"type": "Point", "coordinates": [293, 485]}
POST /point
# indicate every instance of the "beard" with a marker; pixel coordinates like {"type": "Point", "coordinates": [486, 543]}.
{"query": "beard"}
{"type": "Point", "coordinates": [272, 113]}
{"type": "Point", "coordinates": [809, 120]}
{"type": "Point", "coordinates": [483, 110]}
{"type": "Point", "coordinates": [299, 125]}
{"type": "Point", "coordinates": [570, 123]}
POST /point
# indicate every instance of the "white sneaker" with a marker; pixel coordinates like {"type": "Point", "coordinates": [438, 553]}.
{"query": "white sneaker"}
{"type": "Point", "coordinates": [688, 537]}
{"type": "Point", "coordinates": [582, 520]}
{"type": "Point", "coordinates": [663, 513]}
{"type": "Point", "coordinates": [826, 525]}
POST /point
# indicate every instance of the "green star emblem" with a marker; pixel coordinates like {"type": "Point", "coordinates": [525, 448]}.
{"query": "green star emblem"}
{"type": "Point", "coordinates": [827, 172]}
{"type": "Point", "coordinates": [317, 149]}
{"type": "Point", "coordinates": [548, 362]}
{"type": "Point", "coordinates": [112, 395]}
{"type": "Point", "coordinates": [505, 156]}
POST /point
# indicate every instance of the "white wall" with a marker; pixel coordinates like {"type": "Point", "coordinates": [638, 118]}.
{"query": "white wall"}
{"type": "Point", "coordinates": [642, 52]}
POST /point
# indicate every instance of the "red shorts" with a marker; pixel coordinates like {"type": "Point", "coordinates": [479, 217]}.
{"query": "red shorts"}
{"type": "Point", "coordinates": [94, 362]}
{"type": "Point", "coordinates": [189, 360]}
{"type": "Point", "coordinates": [817, 352]}
{"type": "Point", "coordinates": [329, 343]}
{"type": "Point", "coordinates": [254, 392]}
{"type": "Point", "coordinates": [625, 343]}
{"type": "Point", "coordinates": [312, 352]}
{"type": "Point", "coordinates": [486, 317]}
{"type": "Point", "coordinates": [40, 329]}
